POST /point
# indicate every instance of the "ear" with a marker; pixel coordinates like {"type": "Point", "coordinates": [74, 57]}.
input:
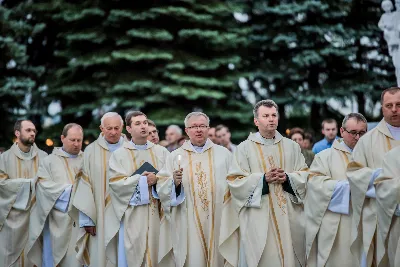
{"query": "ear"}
{"type": "Point", "coordinates": [256, 122]}
{"type": "Point", "coordinates": [17, 133]}
{"type": "Point", "coordinates": [128, 129]}
{"type": "Point", "coordinates": [187, 131]}
{"type": "Point", "coordinates": [341, 131]}
{"type": "Point", "coordinates": [62, 138]}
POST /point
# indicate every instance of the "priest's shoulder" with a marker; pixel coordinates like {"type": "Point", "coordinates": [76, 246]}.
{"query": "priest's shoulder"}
{"type": "Point", "coordinates": [393, 153]}
{"type": "Point", "coordinates": [42, 153]}
{"type": "Point", "coordinates": [221, 149]}
{"type": "Point", "coordinates": [162, 149]}
{"type": "Point", "coordinates": [291, 142]}
{"type": "Point", "coordinates": [91, 146]}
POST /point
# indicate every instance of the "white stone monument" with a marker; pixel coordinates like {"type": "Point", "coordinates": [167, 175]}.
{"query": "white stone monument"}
{"type": "Point", "coordinates": [390, 25]}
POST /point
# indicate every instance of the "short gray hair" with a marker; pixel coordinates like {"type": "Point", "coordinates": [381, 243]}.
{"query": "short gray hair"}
{"type": "Point", "coordinates": [111, 115]}
{"type": "Point", "coordinates": [196, 114]}
{"type": "Point", "coordinates": [357, 116]}
{"type": "Point", "coordinates": [266, 103]}
{"type": "Point", "coordinates": [176, 128]}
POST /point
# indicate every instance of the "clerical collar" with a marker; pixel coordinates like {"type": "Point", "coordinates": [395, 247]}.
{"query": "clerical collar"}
{"type": "Point", "coordinates": [139, 147]}
{"type": "Point", "coordinates": [266, 141]}
{"type": "Point", "coordinates": [395, 131]}
{"type": "Point", "coordinates": [69, 155]}
{"type": "Point", "coordinates": [26, 154]}
{"type": "Point", "coordinates": [113, 147]}
{"type": "Point", "coordinates": [198, 149]}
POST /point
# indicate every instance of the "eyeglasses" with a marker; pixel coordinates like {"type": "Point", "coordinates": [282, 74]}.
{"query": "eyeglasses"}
{"type": "Point", "coordinates": [354, 133]}
{"type": "Point", "coordinates": [201, 127]}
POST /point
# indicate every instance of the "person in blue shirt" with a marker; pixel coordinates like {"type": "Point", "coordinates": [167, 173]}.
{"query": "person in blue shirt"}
{"type": "Point", "coordinates": [329, 130]}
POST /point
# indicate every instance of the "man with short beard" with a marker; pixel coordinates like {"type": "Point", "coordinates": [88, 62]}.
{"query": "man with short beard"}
{"type": "Point", "coordinates": [18, 167]}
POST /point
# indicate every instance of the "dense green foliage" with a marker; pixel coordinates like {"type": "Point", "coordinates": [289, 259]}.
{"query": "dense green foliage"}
{"type": "Point", "coordinates": [168, 58]}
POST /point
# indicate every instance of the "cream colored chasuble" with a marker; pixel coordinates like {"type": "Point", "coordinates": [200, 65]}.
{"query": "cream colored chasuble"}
{"type": "Point", "coordinates": [190, 228]}
{"type": "Point", "coordinates": [52, 232]}
{"type": "Point", "coordinates": [17, 191]}
{"type": "Point", "coordinates": [264, 229]}
{"type": "Point", "coordinates": [388, 212]}
{"type": "Point", "coordinates": [367, 159]}
{"type": "Point", "coordinates": [128, 210]}
{"type": "Point", "coordinates": [90, 199]}
{"type": "Point", "coordinates": [328, 230]}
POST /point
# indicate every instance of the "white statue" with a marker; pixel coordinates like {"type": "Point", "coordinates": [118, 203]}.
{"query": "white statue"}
{"type": "Point", "coordinates": [390, 25]}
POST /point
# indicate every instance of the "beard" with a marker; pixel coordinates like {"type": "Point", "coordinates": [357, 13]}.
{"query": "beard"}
{"type": "Point", "coordinates": [27, 141]}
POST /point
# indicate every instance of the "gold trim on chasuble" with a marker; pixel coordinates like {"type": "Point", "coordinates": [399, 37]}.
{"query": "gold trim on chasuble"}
{"type": "Point", "coordinates": [202, 180]}
{"type": "Point", "coordinates": [86, 255]}
{"type": "Point", "coordinates": [153, 201]}
{"type": "Point", "coordinates": [104, 154]}
{"type": "Point", "coordinates": [389, 145]}
{"type": "Point", "coordinates": [271, 204]}
{"type": "Point", "coordinates": [70, 176]}
{"type": "Point", "coordinates": [35, 168]}
{"type": "Point", "coordinates": [346, 159]}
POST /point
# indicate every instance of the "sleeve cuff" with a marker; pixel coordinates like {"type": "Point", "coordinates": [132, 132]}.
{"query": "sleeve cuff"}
{"type": "Point", "coordinates": [141, 195]}
{"type": "Point", "coordinates": [371, 188]}
{"type": "Point", "coordinates": [85, 220]}
{"type": "Point", "coordinates": [265, 189]}
{"type": "Point", "coordinates": [154, 192]}
{"type": "Point", "coordinates": [340, 198]}
{"type": "Point", "coordinates": [287, 186]}
{"type": "Point", "coordinates": [63, 201]}
{"type": "Point", "coordinates": [175, 198]}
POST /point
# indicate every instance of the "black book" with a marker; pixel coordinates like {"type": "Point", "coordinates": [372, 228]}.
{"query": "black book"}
{"type": "Point", "coordinates": [146, 167]}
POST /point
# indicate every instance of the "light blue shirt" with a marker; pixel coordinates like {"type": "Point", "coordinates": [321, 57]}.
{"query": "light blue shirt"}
{"type": "Point", "coordinates": [322, 145]}
{"type": "Point", "coordinates": [113, 147]}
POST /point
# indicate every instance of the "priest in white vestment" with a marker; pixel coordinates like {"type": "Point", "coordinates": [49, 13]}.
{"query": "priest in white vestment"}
{"type": "Point", "coordinates": [263, 219]}
{"type": "Point", "coordinates": [18, 167]}
{"type": "Point", "coordinates": [367, 163]}
{"type": "Point", "coordinates": [327, 204]}
{"type": "Point", "coordinates": [52, 232]}
{"type": "Point", "coordinates": [191, 189]}
{"type": "Point", "coordinates": [90, 193]}
{"type": "Point", "coordinates": [132, 216]}
{"type": "Point", "coordinates": [387, 187]}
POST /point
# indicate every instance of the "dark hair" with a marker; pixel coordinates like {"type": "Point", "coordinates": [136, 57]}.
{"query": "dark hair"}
{"type": "Point", "coordinates": [151, 123]}
{"type": "Point", "coordinates": [132, 114]}
{"type": "Point", "coordinates": [68, 127]}
{"type": "Point", "coordinates": [296, 130]}
{"type": "Point", "coordinates": [328, 121]}
{"type": "Point", "coordinates": [220, 127]}
{"type": "Point", "coordinates": [391, 90]}
{"type": "Point", "coordinates": [266, 103]}
{"type": "Point", "coordinates": [308, 136]}
{"type": "Point", "coordinates": [18, 124]}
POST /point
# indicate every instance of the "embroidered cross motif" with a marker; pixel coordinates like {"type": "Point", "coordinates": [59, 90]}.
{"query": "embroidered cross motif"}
{"type": "Point", "coordinates": [202, 186]}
